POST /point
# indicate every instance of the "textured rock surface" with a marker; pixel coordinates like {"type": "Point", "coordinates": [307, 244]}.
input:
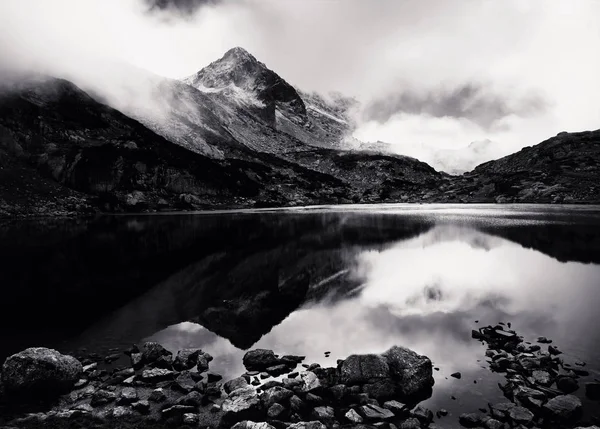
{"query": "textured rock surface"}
{"type": "Point", "coordinates": [40, 371]}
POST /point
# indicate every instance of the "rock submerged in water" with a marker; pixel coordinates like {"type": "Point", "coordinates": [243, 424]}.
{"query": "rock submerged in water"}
{"type": "Point", "coordinates": [39, 371]}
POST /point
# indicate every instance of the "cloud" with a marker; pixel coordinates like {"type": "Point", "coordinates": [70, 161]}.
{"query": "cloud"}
{"type": "Point", "coordinates": [433, 73]}
{"type": "Point", "coordinates": [183, 8]}
{"type": "Point", "coordinates": [468, 101]}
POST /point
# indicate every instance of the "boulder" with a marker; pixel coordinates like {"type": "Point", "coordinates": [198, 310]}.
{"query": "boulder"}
{"type": "Point", "coordinates": [186, 359]}
{"type": "Point", "coordinates": [236, 383]}
{"type": "Point", "coordinates": [567, 384]}
{"type": "Point", "coordinates": [360, 369]}
{"type": "Point", "coordinates": [241, 404]}
{"type": "Point", "coordinates": [276, 411]}
{"type": "Point", "coordinates": [375, 412]}
{"type": "Point", "coordinates": [412, 372]}
{"type": "Point", "coordinates": [323, 414]}
{"type": "Point", "coordinates": [152, 352]}
{"type": "Point", "coordinates": [127, 396]}
{"type": "Point", "coordinates": [469, 420]}
{"type": "Point", "coordinates": [353, 417]}
{"type": "Point", "coordinates": [39, 371]}
{"type": "Point", "coordinates": [275, 395]}
{"type": "Point", "coordinates": [564, 407]}
{"type": "Point", "coordinates": [260, 359]}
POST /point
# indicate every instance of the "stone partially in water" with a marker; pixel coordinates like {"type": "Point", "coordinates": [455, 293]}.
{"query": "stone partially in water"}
{"type": "Point", "coordinates": [259, 359]}
{"type": "Point", "coordinates": [564, 407]}
{"type": "Point", "coordinates": [39, 371]}
{"type": "Point", "coordinates": [359, 369]}
{"type": "Point", "coordinates": [412, 372]}
{"type": "Point", "coordinates": [567, 384]}
{"type": "Point", "coordinates": [186, 359]}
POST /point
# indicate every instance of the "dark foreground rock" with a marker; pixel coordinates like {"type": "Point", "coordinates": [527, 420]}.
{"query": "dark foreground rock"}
{"type": "Point", "coordinates": [40, 371]}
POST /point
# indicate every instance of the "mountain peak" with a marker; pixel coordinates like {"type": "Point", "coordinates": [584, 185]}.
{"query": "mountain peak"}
{"type": "Point", "coordinates": [239, 76]}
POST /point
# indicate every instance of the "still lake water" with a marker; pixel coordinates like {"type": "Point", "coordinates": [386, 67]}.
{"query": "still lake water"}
{"type": "Point", "coordinates": [351, 279]}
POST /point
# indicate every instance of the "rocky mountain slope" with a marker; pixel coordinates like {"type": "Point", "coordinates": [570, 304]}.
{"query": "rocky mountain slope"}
{"type": "Point", "coordinates": [236, 134]}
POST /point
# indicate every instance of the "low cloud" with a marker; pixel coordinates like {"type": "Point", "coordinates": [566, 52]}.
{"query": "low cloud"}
{"type": "Point", "coordinates": [470, 101]}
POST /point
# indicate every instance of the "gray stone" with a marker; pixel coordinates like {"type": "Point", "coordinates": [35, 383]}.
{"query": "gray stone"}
{"type": "Point", "coordinates": [520, 415]}
{"type": "Point", "coordinates": [411, 423]}
{"type": "Point", "coordinates": [360, 369]}
{"type": "Point", "coordinates": [412, 372]}
{"type": "Point", "coordinates": [39, 371]}
{"type": "Point", "coordinates": [152, 351]}
{"type": "Point", "coordinates": [155, 375]}
{"type": "Point", "coordinates": [353, 417]}
{"type": "Point", "coordinates": [323, 414]}
{"type": "Point", "coordinates": [236, 383]}
{"type": "Point", "coordinates": [375, 412]}
{"type": "Point", "coordinates": [542, 377]}
{"type": "Point", "coordinates": [102, 397]}
{"type": "Point", "coordinates": [469, 420]}
{"type": "Point", "coordinates": [309, 380]}
{"type": "Point", "coordinates": [157, 395]}
{"type": "Point", "coordinates": [424, 415]}
{"type": "Point", "coordinates": [567, 384]}
{"type": "Point", "coordinates": [142, 407]}
{"type": "Point", "coordinates": [307, 425]}
{"type": "Point", "coordinates": [260, 359]}
{"type": "Point", "coordinates": [275, 394]}
{"type": "Point", "coordinates": [127, 396]}
{"type": "Point", "coordinates": [241, 404]}
{"type": "Point", "coordinates": [276, 411]}
{"type": "Point", "coordinates": [563, 407]}
{"type": "Point", "coordinates": [186, 359]}
{"type": "Point", "coordinates": [203, 364]}
{"type": "Point", "coordinates": [193, 398]}
{"type": "Point", "coordinates": [395, 407]}
{"type": "Point", "coordinates": [121, 411]}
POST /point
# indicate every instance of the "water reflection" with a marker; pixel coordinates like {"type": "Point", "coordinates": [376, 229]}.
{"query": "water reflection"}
{"type": "Point", "coordinates": [305, 283]}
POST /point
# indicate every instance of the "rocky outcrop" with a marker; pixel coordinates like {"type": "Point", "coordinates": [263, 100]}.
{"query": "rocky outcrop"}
{"type": "Point", "coordinates": [39, 371]}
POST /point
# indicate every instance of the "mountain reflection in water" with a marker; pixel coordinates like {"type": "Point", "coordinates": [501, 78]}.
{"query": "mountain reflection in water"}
{"type": "Point", "coordinates": [354, 282]}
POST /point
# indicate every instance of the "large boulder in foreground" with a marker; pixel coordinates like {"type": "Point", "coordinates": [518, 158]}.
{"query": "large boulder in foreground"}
{"type": "Point", "coordinates": [399, 373]}
{"type": "Point", "coordinates": [39, 371]}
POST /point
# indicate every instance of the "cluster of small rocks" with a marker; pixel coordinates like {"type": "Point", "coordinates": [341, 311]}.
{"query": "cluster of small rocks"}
{"type": "Point", "coordinates": [159, 388]}
{"type": "Point", "coordinates": [539, 385]}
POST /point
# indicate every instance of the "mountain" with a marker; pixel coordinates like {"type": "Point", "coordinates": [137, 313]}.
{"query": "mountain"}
{"type": "Point", "coordinates": [236, 134]}
{"type": "Point", "coordinates": [562, 169]}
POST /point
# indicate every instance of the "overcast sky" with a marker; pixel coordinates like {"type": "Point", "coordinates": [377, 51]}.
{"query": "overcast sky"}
{"type": "Point", "coordinates": [431, 73]}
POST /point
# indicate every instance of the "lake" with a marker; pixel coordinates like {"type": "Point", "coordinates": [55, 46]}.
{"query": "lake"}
{"type": "Point", "coordinates": [342, 279]}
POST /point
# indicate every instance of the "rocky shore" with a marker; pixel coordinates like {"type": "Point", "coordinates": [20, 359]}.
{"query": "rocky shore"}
{"type": "Point", "coordinates": [44, 388]}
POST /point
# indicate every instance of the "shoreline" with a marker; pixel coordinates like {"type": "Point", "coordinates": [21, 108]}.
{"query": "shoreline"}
{"type": "Point", "coordinates": [285, 392]}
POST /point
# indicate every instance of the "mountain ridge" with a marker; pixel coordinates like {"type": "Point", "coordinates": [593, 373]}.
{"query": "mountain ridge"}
{"type": "Point", "coordinates": [241, 137]}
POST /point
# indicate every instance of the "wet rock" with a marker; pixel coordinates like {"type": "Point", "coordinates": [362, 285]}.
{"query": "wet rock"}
{"type": "Point", "coordinates": [412, 372]}
{"type": "Point", "coordinates": [297, 405]}
{"type": "Point", "coordinates": [353, 416]}
{"type": "Point", "coordinates": [136, 360]}
{"type": "Point", "coordinates": [309, 381]}
{"type": "Point", "coordinates": [323, 414]}
{"type": "Point", "coordinates": [184, 382]}
{"type": "Point", "coordinates": [236, 383]}
{"type": "Point", "coordinates": [276, 411]}
{"type": "Point", "coordinates": [241, 404]}
{"type": "Point", "coordinates": [424, 415]}
{"type": "Point", "coordinates": [567, 384]}
{"type": "Point", "coordinates": [457, 375]}
{"type": "Point", "coordinates": [157, 395]}
{"type": "Point", "coordinates": [193, 398]}
{"type": "Point", "coordinates": [375, 412]}
{"type": "Point", "coordinates": [90, 367]}
{"type": "Point", "coordinates": [441, 413]}
{"type": "Point", "coordinates": [260, 359]}
{"type": "Point", "coordinates": [127, 396]}
{"type": "Point", "coordinates": [543, 340]}
{"type": "Point", "coordinates": [564, 407]}
{"type": "Point", "coordinates": [500, 411]}
{"type": "Point", "coordinates": [490, 423]}
{"type": "Point", "coordinates": [338, 392]}
{"type": "Point", "coordinates": [152, 352]}
{"type": "Point", "coordinates": [520, 415]}
{"type": "Point", "coordinates": [142, 407]}
{"type": "Point", "coordinates": [203, 364]}
{"type": "Point", "coordinates": [252, 425]}
{"type": "Point", "coordinates": [39, 371]}
{"type": "Point", "coordinates": [213, 377]}
{"type": "Point", "coordinates": [359, 369]}
{"type": "Point", "coordinates": [553, 350]}
{"type": "Point", "coordinates": [411, 423]}
{"type": "Point", "coordinates": [381, 389]}
{"type": "Point", "coordinates": [277, 370]}
{"type": "Point", "coordinates": [313, 399]}
{"type": "Point", "coordinates": [542, 377]}
{"type": "Point", "coordinates": [470, 420]}
{"type": "Point", "coordinates": [121, 411]}
{"type": "Point", "coordinates": [274, 395]}
{"type": "Point", "coordinates": [592, 390]}
{"type": "Point", "coordinates": [155, 375]}
{"type": "Point", "coordinates": [186, 359]}
{"type": "Point", "coordinates": [102, 397]}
